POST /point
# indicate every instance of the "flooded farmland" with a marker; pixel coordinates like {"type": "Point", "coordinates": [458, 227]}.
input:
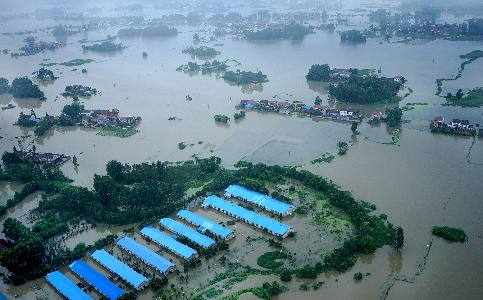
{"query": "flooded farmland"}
{"type": "Point", "coordinates": [423, 180]}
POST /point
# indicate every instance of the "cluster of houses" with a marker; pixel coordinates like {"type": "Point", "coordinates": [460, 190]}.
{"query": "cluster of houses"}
{"type": "Point", "coordinates": [287, 107]}
{"type": "Point", "coordinates": [40, 158]}
{"type": "Point", "coordinates": [455, 126]}
{"type": "Point", "coordinates": [420, 30]}
{"type": "Point", "coordinates": [106, 118]}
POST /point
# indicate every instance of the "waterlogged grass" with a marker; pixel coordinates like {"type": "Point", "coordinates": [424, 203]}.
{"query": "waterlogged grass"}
{"type": "Point", "coordinates": [118, 132]}
{"type": "Point", "coordinates": [413, 105]}
{"type": "Point", "coordinates": [272, 260]}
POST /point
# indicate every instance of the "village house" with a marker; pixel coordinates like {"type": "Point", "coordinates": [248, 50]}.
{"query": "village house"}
{"type": "Point", "coordinates": [377, 115]}
{"type": "Point", "coordinates": [41, 158]}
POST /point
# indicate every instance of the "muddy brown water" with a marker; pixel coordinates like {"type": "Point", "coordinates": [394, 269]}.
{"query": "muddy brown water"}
{"type": "Point", "coordinates": [423, 181]}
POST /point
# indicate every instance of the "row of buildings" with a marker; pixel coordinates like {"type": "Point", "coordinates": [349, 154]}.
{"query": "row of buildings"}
{"type": "Point", "coordinates": [200, 231]}
{"type": "Point", "coordinates": [455, 126]}
{"type": "Point", "coordinates": [287, 107]}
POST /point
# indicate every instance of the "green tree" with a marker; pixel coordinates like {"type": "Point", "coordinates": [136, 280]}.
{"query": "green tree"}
{"type": "Point", "coordinates": [343, 147]}
{"type": "Point", "coordinates": [318, 72]}
{"type": "Point", "coordinates": [459, 94]}
{"type": "Point", "coordinates": [354, 128]}
{"type": "Point", "coordinates": [393, 116]}
{"type": "Point", "coordinates": [354, 36]}
{"type": "Point", "coordinates": [4, 87]}
{"type": "Point", "coordinates": [24, 88]}
{"type": "Point", "coordinates": [104, 187]}
{"type": "Point", "coordinates": [358, 276]}
{"type": "Point", "coordinates": [285, 275]}
{"type": "Point", "coordinates": [73, 110]}
{"type": "Point", "coordinates": [318, 100]}
{"type": "Point", "coordinates": [115, 170]}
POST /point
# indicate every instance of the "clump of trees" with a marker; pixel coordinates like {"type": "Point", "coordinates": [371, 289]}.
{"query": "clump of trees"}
{"type": "Point", "coordinates": [21, 87]}
{"type": "Point", "coordinates": [245, 77]}
{"type": "Point", "coordinates": [239, 115]}
{"type": "Point", "coordinates": [449, 233]}
{"type": "Point", "coordinates": [353, 36]}
{"type": "Point", "coordinates": [106, 46]}
{"type": "Point", "coordinates": [201, 52]}
{"type": "Point", "coordinates": [44, 74]}
{"type": "Point", "coordinates": [393, 116]}
{"type": "Point", "coordinates": [366, 90]}
{"type": "Point", "coordinates": [70, 116]}
{"type": "Point", "coordinates": [289, 31]}
{"type": "Point", "coordinates": [161, 30]}
{"type": "Point", "coordinates": [358, 276]}
{"type": "Point", "coordinates": [222, 119]}
{"type": "Point", "coordinates": [474, 98]}
{"type": "Point", "coordinates": [207, 67]}
{"type": "Point", "coordinates": [318, 72]}
{"type": "Point", "coordinates": [343, 147]}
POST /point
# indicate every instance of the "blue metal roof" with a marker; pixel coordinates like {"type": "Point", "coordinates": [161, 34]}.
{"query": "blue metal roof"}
{"type": "Point", "coordinates": [268, 203]}
{"type": "Point", "coordinates": [96, 279]}
{"type": "Point", "coordinates": [145, 254]}
{"type": "Point", "coordinates": [205, 224]}
{"type": "Point", "coordinates": [191, 234]}
{"type": "Point", "coordinates": [118, 267]}
{"type": "Point", "coordinates": [233, 209]}
{"type": "Point", "coordinates": [168, 242]}
{"type": "Point", "coordinates": [66, 287]}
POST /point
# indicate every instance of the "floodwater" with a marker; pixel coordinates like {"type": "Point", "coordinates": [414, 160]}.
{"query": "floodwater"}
{"type": "Point", "coordinates": [423, 181]}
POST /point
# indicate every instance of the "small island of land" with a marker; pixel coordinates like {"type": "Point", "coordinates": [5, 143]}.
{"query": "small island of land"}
{"type": "Point", "coordinates": [76, 91]}
{"type": "Point", "coordinates": [21, 87]}
{"type": "Point", "coordinates": [449, 233]}
{"type": "Point", "coordinates": [289, 31]}
{"type": "Point", "coordinates": [245, 77]}
{"type": "Point", "coordinates": [148, 31]}
{"type": "Point", "coordinates": [361, 86]}
{"type": "Point", "coordinates": [201, 52]}
{"type": "Point", "coordinates": [352, 36]}
{"type": "Point", "coordinates": [207, 67]}
{"type": "Point", "coordinates": [70, 63]}
{"type": "Point", "coordinates": [473, 98]}
{"type": "Point", "coordinates": [109, 121]}
{"type": "Point", "coordinates": [33, 47]}
{"type": "Point", "coordinates": [44, 74]}
{"type": "Point", "coordinates": [106, 46]}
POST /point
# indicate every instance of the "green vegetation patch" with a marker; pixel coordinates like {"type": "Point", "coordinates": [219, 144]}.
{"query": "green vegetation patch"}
{"type": "Point", "coordinates": [413, 105]}
{"type": "Point", "coordinates": [266, 291]}
{"type": "Point", "coordinates": [245, 77]}
{"type": "Point", "coordinates": [325, 158]}
{"type": "Point", "coordinates": [474, 98]}
{"type": "Point", "coordinates": [469, 58]}
{"type": "Point", "coordinates": [70, 63]}
{"type": "Point", "coordinates": [118, 132]}
{"type": "Point", "coordinates": [366, 90]}
{"type": "Point", "coordinates": [272, 260]}
{"type": "Point", "coordinates": [449, 233]}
